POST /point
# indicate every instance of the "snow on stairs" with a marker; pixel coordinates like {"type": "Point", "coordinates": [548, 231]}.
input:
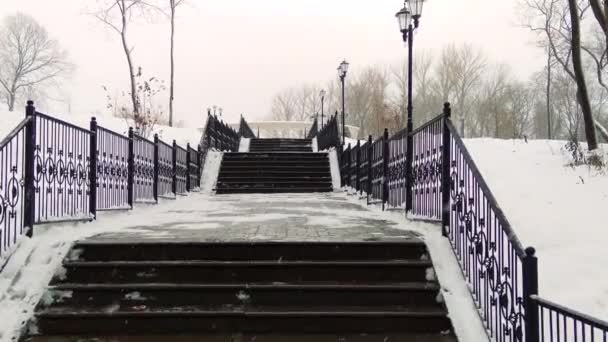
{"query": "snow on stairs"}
{"type": "Point", "coordinates": [249, 291]}
{"type": "Point", "coordinates": [275, 166]}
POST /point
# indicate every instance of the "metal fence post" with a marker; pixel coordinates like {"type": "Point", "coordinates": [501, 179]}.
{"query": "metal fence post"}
{"type": "Point", "coordinates": [131, 167]}
{"type": "Point", "coordinates": [446, 181]}
{"type": "Point", "coordinates": [409, 161]}
{"type": "Point", "coordinates": [29, 214]}
{"type": "Point", "coordinates": [93, 169]}
{"type": "Point", "coordinates": [530, 288]}
{"type": "Point", "coordinates": [188, 185]}
{"type": "Point", "coordinates": [349, 152]}
{"type": "Point", "coordinates": [156, 168]}
{"type": "Point", "coordinates": [358, 165]}
{"type": "Point", "coordinates": [199, 163]}
{"type": "Point", "coordinates": [174, 183]}
{"type": "Point", "coordinates": [370, 160]}
{"type": "Point", "coordinates": [385, 156]}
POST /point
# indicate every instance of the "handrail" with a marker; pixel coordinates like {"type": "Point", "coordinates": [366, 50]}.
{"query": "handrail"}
{"type": "Point", "coordinates": [584, 318]}
{"type": "Point", "coordinates": [15, 131]}
{"type": "Point", "coordinates": [428, 124]}
{"type": "Point", "coordinates": [518, 246]}
{"type": "Point", "coordinates": [65, 123]}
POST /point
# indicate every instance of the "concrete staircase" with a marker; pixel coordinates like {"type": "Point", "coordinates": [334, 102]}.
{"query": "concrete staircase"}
{"type": "Point", "coordinates": [275, 166]}
{"type": "Point", "coordinates": [244, 291]}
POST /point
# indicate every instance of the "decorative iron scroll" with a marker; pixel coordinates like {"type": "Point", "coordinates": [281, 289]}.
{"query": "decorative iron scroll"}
{"type": "Point", "coordinates": [396, 170]}
{"type": "Point", "coordinates": [194, 169]}
{"type": "Point", "coordinates": [112, 170]}
{"type": "Point", "coordinates": [12, 167]}
{"type": "Point", "coordinates": [61, 171]}
{"type": "Point", "coordinates": [377, 160]}
{"type": "Point", "coordinates": [143, 168]}
{"type": "Point", "coordinates": [165, 170]}
{"type": "Point", "coordinates": [426, 169]}
{"type": "Point", "coordinates": [181, 170]}
{"type": "Point", "coordinates": [489, 255]}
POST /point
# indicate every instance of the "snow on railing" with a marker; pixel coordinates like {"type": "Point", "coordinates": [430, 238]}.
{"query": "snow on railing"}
{"type": "Point", "coordinates": [432, 176]}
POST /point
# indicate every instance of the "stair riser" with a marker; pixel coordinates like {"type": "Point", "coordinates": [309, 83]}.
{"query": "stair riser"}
{"type": "Point", "coordinates": [250, 251]}
{"type": "Point", "coordinates": [261, 179]}
{"type": "Point", "coordinates": [260, 185]}
{"type": "Point", "coordinates": [271, 168]}
{"type": "Point", "coordinates": [265, 163]}
{"type": "Point", "coordinates": [252, 297]}
{"type": "Point", "coordinates": [240, 274]}
{"type": "Point", "coordinates": [245, 324]}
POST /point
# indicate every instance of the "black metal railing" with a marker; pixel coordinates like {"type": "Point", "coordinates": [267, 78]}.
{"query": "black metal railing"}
{"type": "Point", "coordinates": [13, 220]}
{"type": "Point", "coordinates": [54, 171]}
{"type": "Point", "coordinates": [244, 130]}
{"type": "Point", "coordinates": [314, 129]}
{"type": "Point", "coordinates": [446, 186]}
{"type": "Point", "coordinates": [355, 161]}
{"type": "Point", "coordinates": [558, 323]}
{"type": "Point", "coordinates": [329, 136]}
{"type": "Point", "coordinates": [218, 136]}
{"type": "Point", "coordinates": [345, 162]}
{"type": "Point", "coordinates": [61, 170]}
{"type": "Point", "coordinates": [112, 151]}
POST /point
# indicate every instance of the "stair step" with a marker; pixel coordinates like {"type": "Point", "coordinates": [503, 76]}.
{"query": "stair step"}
{"type": "Point", "coordinates": [303, 272]}
{"type": "Point", "coordinates": [220, 191]}
{"type": "Point", "coordinates": [101, 250]}
{"type": "Point", "coordinates": [192, 320]}
{"type": "Point", "coordinates": [240, 337]}
{"type": "Point", "coordinates": [245, 184]}
{"type": "Point", "coordinates": [355, 297]}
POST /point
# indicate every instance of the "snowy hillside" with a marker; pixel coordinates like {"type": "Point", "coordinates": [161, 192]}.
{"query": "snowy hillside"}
{"type": "Point", "coordinates": [183, 136]}
{"type": "Point", "coordinates": [558, 209]}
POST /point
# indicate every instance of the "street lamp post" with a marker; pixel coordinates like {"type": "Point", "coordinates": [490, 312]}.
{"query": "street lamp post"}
{"type": "Point", "coordinates": [322, 94]}
{"type": "Point", "coordinates": [409, 19]}
{"type": "Point", "coordinates": [342, 70]}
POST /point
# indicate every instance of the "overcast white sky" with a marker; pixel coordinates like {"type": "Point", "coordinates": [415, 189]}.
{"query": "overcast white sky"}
{"type": "Point", "coordinates": [238, 53]}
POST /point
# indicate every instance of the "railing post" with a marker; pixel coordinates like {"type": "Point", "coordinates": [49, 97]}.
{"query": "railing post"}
{"type": "Point", "coordinates": [199, 163]}
{"type": "Point", "coordinates": [385, 157]}
{"type": "Point", "coordinates": [156, 168]}
{"type": "Point", "coordinates": [188, 185]}
{"type": "Point", "coordinates": [446, 181]}
{"type": "Point", "coordinates": [208, 130]}
{"type": "Point", "coordinates": [93, 169]}
{"type": "Point", "coordinates": [174, 183]}
{"type": "Point", "coordinates": [370, 160]}
{"type": "Point", "coordinates": [131, 167]}
{"type": "Point", "coordinates": [348, 164]}
{"type": "Point", "coordinates": [409, 160]}
{"type": "Point", "coordinates": [29, 214]}
{"type": "Point", "coordinates": [530, 288]}
{"type": "Point", "coordinates": [358, 165]}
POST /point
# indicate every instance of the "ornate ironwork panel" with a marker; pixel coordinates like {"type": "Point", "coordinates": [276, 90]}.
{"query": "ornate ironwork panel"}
{"type": "Point", "coordinates": [426, 170]}
{"type": "Point", "coordinates": [354, 170]}
{"type": "Point", "coordinates": [181, 170]}
{"type": "Point", "coordinates": [112, 170]}
{"type": "Point", "coordinates": [396, 171]}
{"type": "Point", "coordinates": [377, 160]}
{"type": "Point", "coordinates": [193, 169]}
{"type": "Point", "coordinates": [165, 170]}
{"type": "Point", "coordinates": [143, 162]}
{"type": "Point", "coordinates": [345, 162]}
{"type": "Point", "coordinates": [490, 257]}
{"type": "Point", "coordinates": [61, 172]}
{"type": "Point", "coordinates": [363, 169]}
{"type": "Point", "coordinates": [12, 166]}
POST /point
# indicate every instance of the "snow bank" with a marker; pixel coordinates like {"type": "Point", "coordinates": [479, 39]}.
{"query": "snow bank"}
{"type": "Point", "coordinates": [315, 145]}
{"type": "Point", "coordinates": [558, 210]}
{"type": "Point", "coordinates": [244, 145]}
{"type": "Point", "coordinates": [211, 169]}
{"type": "Point", "coordinates": [182, 136]}
{"type": "Point", "coordinates": [335, 168]}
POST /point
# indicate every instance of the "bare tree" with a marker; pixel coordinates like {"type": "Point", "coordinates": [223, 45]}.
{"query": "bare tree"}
{"type": "Point", "coordinates": [173, 7]}
{"type": "Point", "coordinates": [29, 58]}
{"type": "Point", "coordinates": [118, 15]}
{"type": "Point", "coordinates": [577, 63]}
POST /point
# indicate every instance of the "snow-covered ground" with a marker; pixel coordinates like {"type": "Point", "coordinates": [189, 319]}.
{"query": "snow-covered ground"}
{"type": "Point", "coordinates": [558, 209]}
{"type": "Point", "coordinates": [182, 136]}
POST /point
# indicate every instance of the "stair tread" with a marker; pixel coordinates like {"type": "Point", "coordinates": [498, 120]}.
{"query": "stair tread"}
{"type": "Point", "coordinates": [93, 241]}
{"type": "Point", "coordinates": [418, 286]}
{"type": "Point", "coordinates": [230, 310]}
{"type": "Point", "coordinates": [257, 263]}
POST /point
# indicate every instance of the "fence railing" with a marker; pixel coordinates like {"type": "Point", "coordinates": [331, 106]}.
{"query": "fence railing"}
{"type": "Point", "coordinates": [430, 174]}
{"type": "Point", "coordinates": [244, 130]}
{"type": "Point", "coordinates": [329, 136]}
{"type": "Point", "coordinates": [314, 129]}
{"type": "Point", "coordinates": [53, 171]}
{"type": "Point", "coordinates": [219, 136]}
